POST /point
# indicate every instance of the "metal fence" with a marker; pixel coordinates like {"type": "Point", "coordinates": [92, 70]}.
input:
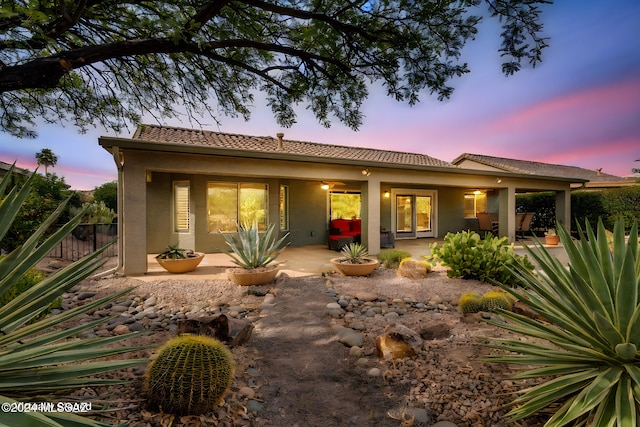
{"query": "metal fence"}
{"type": "Point", "coordinates": [86, 239]}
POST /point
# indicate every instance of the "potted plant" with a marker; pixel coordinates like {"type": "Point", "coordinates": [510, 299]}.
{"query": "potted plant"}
{"type": "Point", "coordinates": [253, 253]}
{"type": "Point", "coordinates": [551, 237]}
{"type": "Point", "coordinates": [355, 261]}
{"type": "Point", "coordinates": [177, 260]}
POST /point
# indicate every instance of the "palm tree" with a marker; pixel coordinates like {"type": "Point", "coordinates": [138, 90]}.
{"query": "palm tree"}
{"type": "Point", "coordinates": [46, 158]}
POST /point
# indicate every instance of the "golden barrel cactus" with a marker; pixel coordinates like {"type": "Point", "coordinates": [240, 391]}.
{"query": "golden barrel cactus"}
{"type": "Point", "coordinates": [190, 376]}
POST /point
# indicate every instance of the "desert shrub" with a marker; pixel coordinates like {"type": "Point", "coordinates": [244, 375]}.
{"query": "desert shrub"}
{"type": "Point", "coordinates": [393, 257]}
{"type": "Point", "coordinates": [107, 193]}
{"type": "Point", "coordinates": [469, 256]}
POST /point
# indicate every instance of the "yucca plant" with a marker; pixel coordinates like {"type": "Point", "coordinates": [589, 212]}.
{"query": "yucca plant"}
{"type": "Point", "coordinates": [251, 249]}
{"type": "Point", "coordinates": [44, 358]}
{"type": "Point", "coordinates": [354, 253]}
{"type": "Point", "coordinates": [591, 363]}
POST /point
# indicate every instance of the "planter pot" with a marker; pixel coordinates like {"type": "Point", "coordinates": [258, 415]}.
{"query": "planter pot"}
{"type": "Point", "coordinates": [552, 240]}
{"type": "Point", "coordinates": [183, 265]}
{"type": "Point", "coordinates": [252, 277]}
{"type": "Point", "coordinates": [355, 269]}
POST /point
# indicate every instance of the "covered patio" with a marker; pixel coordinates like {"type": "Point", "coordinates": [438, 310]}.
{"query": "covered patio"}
{"type": "Point", "coordinates": [312, 260]}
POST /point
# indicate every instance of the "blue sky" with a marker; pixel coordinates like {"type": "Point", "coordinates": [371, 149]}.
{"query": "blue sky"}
{"type": "Point", "coordinates": [579, 107]}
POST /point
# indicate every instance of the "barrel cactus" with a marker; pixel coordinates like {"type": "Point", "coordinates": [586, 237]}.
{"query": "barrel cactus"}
{"type": "Point", "coordinates": [190, 376]}
{"type": "Point", "coordinates": [494, 300]}
{"type": "Point", "coordinates": [470, 302]}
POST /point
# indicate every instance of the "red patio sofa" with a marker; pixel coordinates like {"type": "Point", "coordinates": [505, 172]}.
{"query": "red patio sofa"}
{"type": "Point", "coordinates": [344, 231]}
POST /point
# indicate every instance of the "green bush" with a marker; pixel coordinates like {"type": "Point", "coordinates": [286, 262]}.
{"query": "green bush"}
{"type": "Point", "coordinates": [544, 206]}
{"type": "Point", "coordinates": [107, 193]}
{"type": "Point", "coordinates": [393, 257]}
{"type": "Point", "coordinates": [586, 353]}
{"type": "Point", "coordinates": [470, 257]}
{"type": "Point", "coordinates": [621, 203]}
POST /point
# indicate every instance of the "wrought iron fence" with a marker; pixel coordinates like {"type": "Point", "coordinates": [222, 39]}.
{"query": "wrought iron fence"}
{"type": "Point", "coordinates": [86, 239]}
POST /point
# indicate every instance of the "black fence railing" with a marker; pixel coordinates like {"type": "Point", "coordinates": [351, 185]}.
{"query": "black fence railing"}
{"type": "Point", "coordinates": [86, 239]}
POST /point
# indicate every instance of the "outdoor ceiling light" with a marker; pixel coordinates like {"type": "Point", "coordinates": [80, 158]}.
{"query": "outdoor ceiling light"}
{"type": "Point", "coordinates": [366, 172]}
{"type": "Point", "coordinates": [498, 180]}
{"type": "Point", "coordinates": [387, 194]}
{"type": "Point", "coordinates": [324, 185]}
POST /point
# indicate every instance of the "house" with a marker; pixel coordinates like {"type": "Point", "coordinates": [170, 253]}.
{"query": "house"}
{"type": "Point", "coordinates": [186, 186]}
{"type": "Point", "coordinates": [591, 179]}
{"type": "Point", "coordinates": [17, 172]}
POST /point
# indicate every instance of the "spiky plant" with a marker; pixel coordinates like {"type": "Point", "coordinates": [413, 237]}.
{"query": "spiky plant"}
{"type": "Point", "coordinates": [494, 300]}
{"type": "Point", "coordinates": [354, 253]}
{"type": "Point", "coordinates": [39, 357]}
{"type": "Point", "coordinates": [470, 302]}
{"type": "Point", "coordinates": [250, 249]}
{"type": "Point", "coordinates": [190, 376]}
{"type": "Point", "coordinates": [591, 363]}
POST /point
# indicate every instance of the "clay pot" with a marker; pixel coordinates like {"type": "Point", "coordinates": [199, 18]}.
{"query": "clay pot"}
{"type": "Point", "coordinates": [552, 239]}
{"type": "Point", "coordinates": [254, 276]}
{"type": "Point", "coordinates": [355, 269]}
{"type": "Point", "coordinates": [182, 265]}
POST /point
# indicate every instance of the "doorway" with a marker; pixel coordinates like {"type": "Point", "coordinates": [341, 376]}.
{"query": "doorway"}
{"type": "Point", "coordinates": [414, 213]}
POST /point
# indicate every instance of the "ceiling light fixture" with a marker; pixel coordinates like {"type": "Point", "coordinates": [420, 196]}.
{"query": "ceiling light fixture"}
{"type": "Point", "coordinates": [366, 172]}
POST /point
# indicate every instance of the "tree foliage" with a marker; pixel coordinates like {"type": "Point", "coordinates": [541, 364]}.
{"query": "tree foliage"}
{"type": "Point", "coordinates": [106, 62]}
{"type": "Point", "coordinates": [47, 158]}
{"type": "Point", "coordinates": [107, 193]}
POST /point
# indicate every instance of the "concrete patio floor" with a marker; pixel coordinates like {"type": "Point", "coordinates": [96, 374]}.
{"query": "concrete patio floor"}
{"type": "Point", "coordinates": [299, 261]}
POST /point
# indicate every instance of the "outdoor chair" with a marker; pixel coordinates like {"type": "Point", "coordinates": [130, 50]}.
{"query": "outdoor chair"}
{"type": "Point", "coordinates": [525, 225]}
{"type": "Point", "coordinates": [485, 224]}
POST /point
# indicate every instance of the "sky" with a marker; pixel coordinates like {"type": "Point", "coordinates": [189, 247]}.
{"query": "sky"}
{"type": "Point", "coordinates": [579, 107]}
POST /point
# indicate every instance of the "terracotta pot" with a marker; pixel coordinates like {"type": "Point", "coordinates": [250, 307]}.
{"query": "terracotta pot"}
{"type": "Point", "coordinates": [254, 276]}
{"type": "Point", "coordinates": [552, 239]}
{"type": "Point", "coordinates": [182, 265]}
{"type": "Point", "coordinates": [355, 269]}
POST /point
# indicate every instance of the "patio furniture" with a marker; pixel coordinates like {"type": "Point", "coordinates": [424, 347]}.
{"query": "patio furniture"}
{"type": "Point", "coordinates": [524, 225]}
{"type": "Point", "coordinates": [486, 224]}
{"type": "Point", "coordinates": [387, 239]}
{"type": "Point", "coordinates": [344, 231]}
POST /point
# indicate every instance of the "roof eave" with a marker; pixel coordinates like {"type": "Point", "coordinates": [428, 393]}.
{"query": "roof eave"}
{"type": "Point", "coordinates": [109, 142]}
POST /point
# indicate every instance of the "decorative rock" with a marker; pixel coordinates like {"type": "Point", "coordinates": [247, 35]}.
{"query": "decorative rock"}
{"type": "Point", "coordinates": [392, 346]}
{"type": "Point", "coordinates": [355, 352]}
{"type": "Point", "coordinates": [366, 296]}
{"type": "Point", "coordinates": [333, 306]}
{"type": "Point", "coordinates": [84, 295]}
{"type": "Point", "coordinates": [362, 362]}
{"type": "Point", "coordinates": [247, 392]}
{"type": "Point", "coordinates": [374, 372]}
{"type": "Point", "coordinates": [254, 406]}
{"type": "Point", "coordinates": [136, 326]}
{"type": "Point", "coordinates": [435, 332]}
{"type": "Point", "coordinates": [413, 269]}
{"type": "Point", "coordinates": [351, 338]}
{"type": "Point", "coordinates": [121, 330]}
{"type": "Point", "coordinates": [150, 302]}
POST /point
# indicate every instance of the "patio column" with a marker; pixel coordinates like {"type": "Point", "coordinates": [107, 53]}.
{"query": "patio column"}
{"type": "Point", "coordinates": [133, 215]}
{"type": "Point", "coordinates": [507, 212]}
{"type": "Point", "coordinates": [371, 214]}
{"type": "Point", "coordinates": [563, 208]}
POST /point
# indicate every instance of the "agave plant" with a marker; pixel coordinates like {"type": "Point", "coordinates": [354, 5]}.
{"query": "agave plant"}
{"type": "Point", "coordinates": [41, 357]}
{"type": "Point", "coordinates": [591, 366]}
{"type": "Point", "coordinates": [354, 253]}
{"type": "Point", "coordinates": [253, 250]}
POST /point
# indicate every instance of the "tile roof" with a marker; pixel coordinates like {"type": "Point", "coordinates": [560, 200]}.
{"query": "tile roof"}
{"type": "Point", "coordinates": [267, 144]}
{"type": "Point", "coordinates": [538, 168]}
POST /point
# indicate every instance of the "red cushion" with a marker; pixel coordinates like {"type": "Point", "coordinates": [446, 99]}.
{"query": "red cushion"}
{"type": "Point", "coordinates": [342, 224]}
{"type": "Point", "coordinates": [355, 226]}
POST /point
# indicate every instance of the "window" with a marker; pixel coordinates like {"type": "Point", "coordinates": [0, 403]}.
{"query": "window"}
{"type": "Point", "coordinates": [284, 207]}
{"type": "Point", "coordinates": [474, 202]}
{"type": "Point", "coordinates": [345, 205]}
{"type": "Point", "coordinates": [181, 207]}
{"type": "Point", "coordinates": [230, 203]}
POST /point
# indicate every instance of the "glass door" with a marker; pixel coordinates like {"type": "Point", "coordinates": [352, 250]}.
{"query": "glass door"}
{"type": "Point", "coordinates": [404, 215]}
{"type": "Point", "coordinates": [423, 216]}
{"type": "Point", "coordinates": [414, 213]}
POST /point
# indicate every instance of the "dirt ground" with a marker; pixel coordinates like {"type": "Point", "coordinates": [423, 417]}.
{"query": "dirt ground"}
{"type": "Point", "coordinates": [294, 372]}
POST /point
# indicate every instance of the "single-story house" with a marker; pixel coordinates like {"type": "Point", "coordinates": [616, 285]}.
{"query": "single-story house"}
{"type": "Point", "coordinates": [186, 186]}
{"type": "Point", "coordinates": [591, 179]}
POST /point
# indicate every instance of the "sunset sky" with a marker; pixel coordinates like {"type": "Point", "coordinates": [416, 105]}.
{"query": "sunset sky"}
{"type": "Point", "coordinates": [580, 107]}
